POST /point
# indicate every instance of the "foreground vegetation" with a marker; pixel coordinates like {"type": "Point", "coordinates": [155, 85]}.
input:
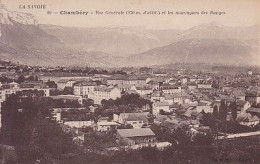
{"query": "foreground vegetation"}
{"type": "Point", "coordinates": [27, 125]}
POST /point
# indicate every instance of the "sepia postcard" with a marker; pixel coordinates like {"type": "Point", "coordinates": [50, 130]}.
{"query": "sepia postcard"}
{"type": "Point", "coordinates": [129, 81]}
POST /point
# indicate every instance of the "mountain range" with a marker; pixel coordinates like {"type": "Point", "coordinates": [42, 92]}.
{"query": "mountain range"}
{"type": "Point", "coordinates": [23, 39]}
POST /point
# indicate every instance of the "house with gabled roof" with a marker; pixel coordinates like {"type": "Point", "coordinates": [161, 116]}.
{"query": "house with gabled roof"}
{"type": "Point", "coordinates": [142, 90]}
{"type": "Point", "coordinates": [242, 106]}
{"type": "Point", "coordinates": [135, 136]}
{"type": "Point", "coordinates": [254, 111]}
{"type": "Point", "coordinates": [247, 119]}
{"type": "Point", "coordinates": [105, 126]}
{"type": "Point", "coordinates": [137, 120]}
{"type": "Point", "coordinates": [253, 98]}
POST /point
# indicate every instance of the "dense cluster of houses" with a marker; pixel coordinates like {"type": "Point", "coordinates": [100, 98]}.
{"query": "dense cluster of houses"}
{"type": "Point", "coordinates": [177, 100]}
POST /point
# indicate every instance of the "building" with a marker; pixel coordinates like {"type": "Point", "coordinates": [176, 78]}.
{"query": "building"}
{"type": "Point", "coordinates": [153, 84]}
{"type": "Point", "coordinates": [192, 85]}
{"type": "Point", "coordinates": [105, 126]}
{"type": "Point", "coordinates": [239, 94]}
{"type": "Point", "coordinates": [160, 107]}
{"type": "Point", "coordinates": [142, 90]}
{"type": "Point", "coordinates": [157, 96]}
{"type": "Point", "coordinates": [254, 111]}
{"type": "Point", "coordinates": [250, 72]}
{"type": "Point", "coordinates": [84, 89]}
{"type": "Point", "coordinates": [160, 74]}
{"type": "Point", "coordinates": [58, 76]}
{"type": "Point", "coordinates": [2, 99]}
{"type": "Point", "coordinates": [181, 97]}
{"type": "Point", "coordinates": [2, 96]}
{"type": "Point", "coordinates": [105, 93]}
{"type": "Point", "coordinates": [127, 79]}
{"type": "Point", "coordinates": [61, 84]}
{"type": "Point", "coordinates": [78, 124]}
{"type": "Point", "coordinates": [137, 120]}
{"type": "Point", "coordinates": [170, 89]}
{"type": "Point", "coordinates": [247, 119]}
{"type": "Point", "coordinates": [191, 113]}
{"type": "Point", "coordinates": [61, 115]}
{"type": "Point", "coordinates": [135, 136]}
{"type": "Point", "coordinates": [184, 80]}
{"type": "Point", "coordinates": [168, 98]}
{"type": "Point", "coordinates": [124, 88]}
{"type": "Point", "coordinates": [204, 107]}
{"type": "Point", "coordinates": [242, 106]}
{"type": "Point", "coordinates": [68, 98]}
{"type": "Point", "coordinates": [12, 88]}
{"type": "Point", "coordinates": [253, 98]}
{"type": "Point", "coordinates": [37, 85]}
{"type": "Point", "coordinates": [204, 85]}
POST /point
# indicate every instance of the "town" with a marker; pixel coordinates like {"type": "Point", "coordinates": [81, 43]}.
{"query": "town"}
{"type": "Point", "coordinates": [146, 114]}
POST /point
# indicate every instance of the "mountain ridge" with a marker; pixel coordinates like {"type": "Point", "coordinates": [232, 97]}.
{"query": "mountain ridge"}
{"type": "Point", "coordinates": [197, 50]}
{"type": "Point", "coordinates": [27, 41]}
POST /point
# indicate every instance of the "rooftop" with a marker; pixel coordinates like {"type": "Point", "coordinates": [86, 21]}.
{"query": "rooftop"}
{"type": "Point", "coordinates": [164, 103]}
{"type": "Point", "coordinates": [86, 83]}
{"type": "Point", "coordinates": [241, 103]}
{"type": "Point", "coordinates": [104, 88]}
{"type": "Point", "coordinates": [135, 132]}
{"type": "Point", "coordinates": [253, 110]}
{"type": "Point", "coordinates": [65, 97]}
{"type": "Point", "coordinates": [106, 123]}
{"type": "Point", "coordinates": [127, 77]}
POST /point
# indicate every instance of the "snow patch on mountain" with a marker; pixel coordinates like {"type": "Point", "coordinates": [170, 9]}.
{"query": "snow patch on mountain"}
{"type": "Point", "coordinates": [7, 17]}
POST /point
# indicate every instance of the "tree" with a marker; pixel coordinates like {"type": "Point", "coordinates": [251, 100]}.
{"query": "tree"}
{"type": "Point", "coordinates": [21, 79]}
{"type": "Point", "coordinates": [51, 84]}
{"type": "Point", "coordinates": [17, 115]}
{"type": "Point", "coordinates": [107, 103]}
{"type": "Point", "coordinates": [233, 109]}
{"type": "Point", "coordinates": [215, 111]}
{"type": "Point", "coordinates": [88, 102]}
{"type": "Point", "coordinates": [215, 84]}
{"type": "Point", "coordinates": [210, 120]}
{"type": "Point", "coordinates": [149, 154]}
{"type": "Point", "coordinates": [30, 78]}
{"type": "Point", "coordinates": [4, 79]}
{"type": "Point", "coordinates": [51, 139]}
{"type": "Point", "coordinates": [203, 112]}
{"type": "Point", "coordinates": [36, 78]}
{"type": "Point", "coordinates": [223, 111]}
{"type": "Point", "coordinates": [68, 91]}
{"type": "Point", "coordinates": [96, 142]}
{"type": "Point", "coordinates": [202, 147]}
{"type": "Point", "coordinates": [27, 125]}
{"type": "Point", "coordinates": [128, 102]}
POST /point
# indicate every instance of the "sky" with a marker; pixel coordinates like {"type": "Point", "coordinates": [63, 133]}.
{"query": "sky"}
{"type": "Point", "coordinates": [237, 12]}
